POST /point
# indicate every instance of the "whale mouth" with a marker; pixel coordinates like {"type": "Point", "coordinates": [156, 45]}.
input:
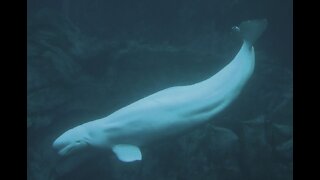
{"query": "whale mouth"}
{"type": "Point", "coordinates": [72, 148]}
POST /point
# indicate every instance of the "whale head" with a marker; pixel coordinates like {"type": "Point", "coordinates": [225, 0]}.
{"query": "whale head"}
{"type": "Point", "coordinates": [71, 141]}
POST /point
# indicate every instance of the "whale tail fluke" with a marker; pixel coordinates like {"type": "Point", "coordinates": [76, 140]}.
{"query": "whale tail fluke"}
{"type": "Point", "coordinates": [252, 29]}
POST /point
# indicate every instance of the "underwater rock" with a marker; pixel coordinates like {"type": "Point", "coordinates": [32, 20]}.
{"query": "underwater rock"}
{"type": "Point", "coordinates": [284, 150]}
{"type": "Point", "coordinates": [283, 112]}
{"type": "Point", "coordinates": [254, 131]}
{"type": "Point", "coordinates": [281, 133]}
{"type": "Point", "coordinates": [207, 153]}
{"type": "Point", "coordinates": [39, 164]}
{"type": "Point", "coordinates": [263, 156]}
{"type": "Point", "coordinates": [62, 64]}
{"type": "Point", "coordinates": [224, 152]}
{"type": "Point", "coordinates": [44, 100]}
{"type": "Point", "coordinates": [56, 52]}
{"type": "Point", "coordinates": [256, 152]}
{"type": "Point", "coordinates": [39, 121]}
{"type": "Point", "coordinates": [282, 171]}
{"type": "Point", "coordinates": [66, 168]}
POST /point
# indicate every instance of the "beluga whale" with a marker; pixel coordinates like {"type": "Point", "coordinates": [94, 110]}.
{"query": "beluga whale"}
{"type": "Point", "coordinates": [167, 112]}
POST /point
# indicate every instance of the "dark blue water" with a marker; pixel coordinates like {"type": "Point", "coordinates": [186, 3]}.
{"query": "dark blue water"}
{"type": "Point", "coordinates": [88, 58]}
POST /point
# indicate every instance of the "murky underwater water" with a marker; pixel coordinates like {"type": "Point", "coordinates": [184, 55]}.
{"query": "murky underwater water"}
{"type": "Point", "coordinates": [87, 59]}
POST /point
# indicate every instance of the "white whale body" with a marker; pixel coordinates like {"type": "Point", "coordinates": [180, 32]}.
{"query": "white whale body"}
{"type": "Point", "coordinates": [169, 111]}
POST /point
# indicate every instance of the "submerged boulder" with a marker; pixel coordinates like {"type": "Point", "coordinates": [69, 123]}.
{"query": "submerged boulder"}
{"type": "Point", "coordinates": [256, 151]}
{"type": "Point", "coordinates": [206, 153]}
{"type": "Point", "coordinates": [266, 149]}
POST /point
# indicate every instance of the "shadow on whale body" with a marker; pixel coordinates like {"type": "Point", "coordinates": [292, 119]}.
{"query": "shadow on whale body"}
{"type": "Point", "coordinates": [167, 112]}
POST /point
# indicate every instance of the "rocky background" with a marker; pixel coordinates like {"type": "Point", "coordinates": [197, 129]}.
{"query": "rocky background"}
{"type": "Point", "coordinates": [87, 59]}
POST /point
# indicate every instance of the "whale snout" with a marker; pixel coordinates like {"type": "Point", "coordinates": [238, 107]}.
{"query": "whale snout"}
{"type": "Point", "coordinates": [69, 142]}
{"type": "Point", "coordinates": [59, 145]}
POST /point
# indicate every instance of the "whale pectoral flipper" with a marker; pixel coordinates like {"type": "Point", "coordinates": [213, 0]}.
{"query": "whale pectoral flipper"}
{"type": "Point", "coordinates": [127, 152]}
